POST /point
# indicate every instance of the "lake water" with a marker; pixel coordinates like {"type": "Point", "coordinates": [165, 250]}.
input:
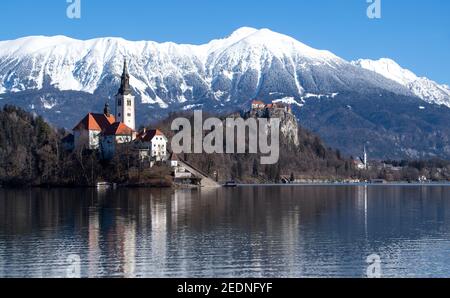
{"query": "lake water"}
{"type": "Point", "coordinates": [251, 231]}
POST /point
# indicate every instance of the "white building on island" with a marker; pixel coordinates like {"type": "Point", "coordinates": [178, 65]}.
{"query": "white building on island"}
{"type": "Point", "coordinates": [152, 145]}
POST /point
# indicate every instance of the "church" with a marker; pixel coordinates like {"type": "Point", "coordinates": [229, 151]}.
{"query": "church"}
{"type": "Point", "coordinates": [103, 132]}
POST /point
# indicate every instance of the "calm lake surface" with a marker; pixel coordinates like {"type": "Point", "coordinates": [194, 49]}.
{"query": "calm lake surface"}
{"type": "Point", "coordinates": [252, 231]}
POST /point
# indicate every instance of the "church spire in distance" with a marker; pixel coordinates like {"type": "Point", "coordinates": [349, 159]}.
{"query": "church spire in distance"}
{"type": "Point", "coordinates": [125, 67]}
{"type": "Point", "coordinates": [125, 80]}
{"type": "Point", "coordinates": [125, 104]}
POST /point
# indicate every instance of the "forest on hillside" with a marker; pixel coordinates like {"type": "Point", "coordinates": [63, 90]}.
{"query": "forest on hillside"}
{"type": "Point", "coordinates": [311, 160]}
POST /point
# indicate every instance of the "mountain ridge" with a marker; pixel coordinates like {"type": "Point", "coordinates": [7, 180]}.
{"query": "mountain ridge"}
{"type": "Point", "coordinates": [62, 78]}
{"type": "Point", "coordinates": [422, 87]}
{"type": "Point", "coordinates": [163, 73]}
{"type": "Point", "coordinates": [166, 72]}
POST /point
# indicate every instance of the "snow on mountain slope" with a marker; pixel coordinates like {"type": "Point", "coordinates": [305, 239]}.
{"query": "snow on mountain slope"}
{"type": "Point", "coordinates": [249, 63]}
{"type": "Point", "coordinates": [423, 88]}
{"type": "Point", "coordinates": [347, 103]}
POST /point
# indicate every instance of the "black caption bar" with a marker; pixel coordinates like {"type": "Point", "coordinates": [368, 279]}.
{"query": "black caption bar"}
{"type": "Point", "coordinates": [218, 287]}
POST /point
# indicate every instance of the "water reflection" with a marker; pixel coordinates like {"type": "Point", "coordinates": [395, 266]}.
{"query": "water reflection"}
{"type": "Point", "coordinates": [248, 231]}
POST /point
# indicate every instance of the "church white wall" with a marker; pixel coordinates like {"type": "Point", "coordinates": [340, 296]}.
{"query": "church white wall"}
{"type": "Point", "coordinates": [159, 148]}
{"type": "Point", "coordinates": [125, 110]}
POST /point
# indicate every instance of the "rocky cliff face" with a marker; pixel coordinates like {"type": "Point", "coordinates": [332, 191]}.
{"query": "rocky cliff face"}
{"type": "Point", "coordinates": [288, 121]}
{"type": "Point", "coordinates": [289, 125]}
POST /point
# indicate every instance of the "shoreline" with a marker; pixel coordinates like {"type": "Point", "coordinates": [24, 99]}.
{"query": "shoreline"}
{"type": "Point", "coordinates": [400, 183]}
{"type": "Point", "coordinates": [194, 187]}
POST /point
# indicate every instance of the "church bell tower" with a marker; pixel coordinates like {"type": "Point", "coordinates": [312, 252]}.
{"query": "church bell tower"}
{"type": "Point", "coordinates": [125, 107]}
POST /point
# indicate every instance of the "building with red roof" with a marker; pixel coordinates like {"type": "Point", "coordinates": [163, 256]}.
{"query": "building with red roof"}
{"type": "Point", "coordinates": [87, 131]}
{"type": "Point", "coordinates": [119, 129]}
{"type": "Point", "coordinates": [115, 134]}
{"type": "Point", "coordinates": [97, 122]}
{"type": "Point", "coordinates": [152, 145]}
{"type": "Point", "coordinates": [258, 105]}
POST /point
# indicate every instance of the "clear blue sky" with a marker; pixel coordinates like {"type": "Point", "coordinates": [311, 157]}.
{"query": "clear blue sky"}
{"type": "Point", "coordinates": [415, 33]}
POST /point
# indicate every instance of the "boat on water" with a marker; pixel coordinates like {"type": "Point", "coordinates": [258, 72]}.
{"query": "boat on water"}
{"type": "Point", "coordinates": [230, 184]}
{"type": "Point", "coordinates": [377, 181]}
{"type": "Point", "coordinates": [105, 185]}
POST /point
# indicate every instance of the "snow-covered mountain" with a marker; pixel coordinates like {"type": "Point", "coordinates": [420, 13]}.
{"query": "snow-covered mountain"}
{"type": "Point", "coordinates": [349, 104]}
{"type": "Point", "coordinates": [249, 63]}
{"type": "Point", "coordinates": [424, 88]}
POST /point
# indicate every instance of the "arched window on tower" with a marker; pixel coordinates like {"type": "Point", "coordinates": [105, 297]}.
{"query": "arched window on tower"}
{"type": "Point", "coordinates": [119, 102]}
{"type": "Point", "coordinates": [129, 103]}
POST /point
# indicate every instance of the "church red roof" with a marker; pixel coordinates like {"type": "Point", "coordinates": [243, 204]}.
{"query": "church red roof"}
{"type": "Point", "coordinates": [97, 122]}
{"type": "Point", "coordinates": [148, 135]}
{"type": "Point", "coordinates": [118, 129]}
{"type": "Point", "coordinates": [257, 102]}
